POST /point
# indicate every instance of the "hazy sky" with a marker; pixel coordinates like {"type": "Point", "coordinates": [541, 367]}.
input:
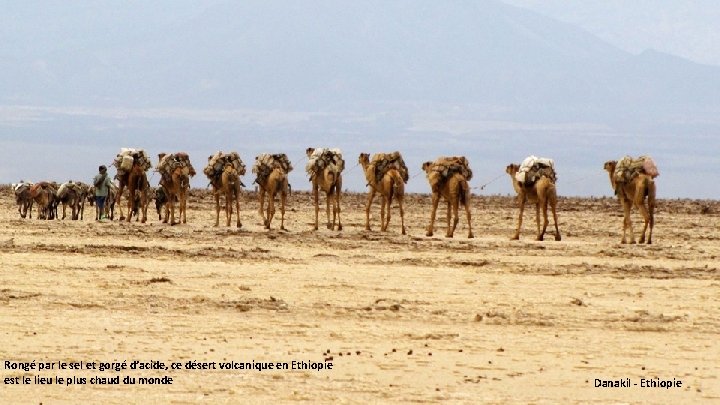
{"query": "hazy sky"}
{"type": "Point", "coordinates": [562, 79]}
{"type": "Point", "coordinates": [685, 28]}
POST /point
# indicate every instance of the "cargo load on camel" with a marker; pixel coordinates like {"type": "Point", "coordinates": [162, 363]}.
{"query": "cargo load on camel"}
{"type": "Point", "coordinates": [322, 158]}
{"type": "Point", "coordinates": [445, 167]}
{"type": "Point", "coordinates": [169, 163]}
{"type": "Point", "coordinates": [21, 188]}
{"type": "Point", "coordinates": [78, 187]}
{"type": "Point", "coordinates": [265, 163]}
{"type": "Point", "coordinates": [381, 163]}
{"type": "Point", "coordinates": [628, 168]}
{"type": "Point", "coordinates": [218, 161]}
{"type": "Point", "coordinates": [533, 168]}
{"type": "Point", "coordinates": [128, 157]}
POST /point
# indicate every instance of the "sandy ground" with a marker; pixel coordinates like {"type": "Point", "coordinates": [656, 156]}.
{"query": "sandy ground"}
{"type": "Point", "coordinates": [406, 319]}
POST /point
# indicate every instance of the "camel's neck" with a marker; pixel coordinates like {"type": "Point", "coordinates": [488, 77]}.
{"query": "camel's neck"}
{"type": "Point", "coordinates": [612, 179]}
{"type": "Point", "coordinates": [368, 175]}
{"type": "Point", "coordinates": [515, 184]}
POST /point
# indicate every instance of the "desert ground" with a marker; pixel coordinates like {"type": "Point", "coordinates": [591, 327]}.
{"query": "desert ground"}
{"type": "Point", "coordinates": [402, 319]}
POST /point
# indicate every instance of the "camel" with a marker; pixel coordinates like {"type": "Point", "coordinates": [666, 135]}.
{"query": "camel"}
{"type": "Point", "coordinates": [130, 179]}
{"type": "Point", "coordinates": [390, 186]}
{"type": "Point", "coordinates": [634, 193]}
{"type": "Point", "coordinates": [175, 186]}
{"type": "Point", "coordinates": [44, 195]}
{"type": "Point", "coordinates": [23, 199]}
{"type": "Point", "coordinates": [455, 190]}
{"type": "Point", "coordinates": [73, 196]}
{"type": "Point", "coordinates": [275, 182]}
{"type": "Point", "coordinates": [229, 185]}
{"type": "Point", "coordinates": [138, 187]}
{"type": "Point", "coordinates": [329, 180]}
{"type": "Point", "coordinates": [542, 193]}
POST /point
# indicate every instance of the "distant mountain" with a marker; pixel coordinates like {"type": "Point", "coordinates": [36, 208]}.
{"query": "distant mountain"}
{"type": "Point", "coordinates": [335, 54]}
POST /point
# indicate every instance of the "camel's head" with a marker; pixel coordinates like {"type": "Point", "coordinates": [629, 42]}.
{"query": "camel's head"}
{"type": "Point", "coordinates": [364, 158]}
{"type": "Point", "coordinates": [426, 167]}
{"type": "Point", "coordinates": [512, 168]}
{"type": "Point", "coordinates": [309, 151]}
{"type": "Point", "coordinates": [610, 166]}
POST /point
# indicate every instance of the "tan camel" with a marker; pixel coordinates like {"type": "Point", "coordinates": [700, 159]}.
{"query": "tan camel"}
{"type": "Point", "coordinates": [44, 196]}
{"type": "Point", "coordinates": [229, 185]}
{"type": "Point", "coordinates": [634, 193]}
{"type": "Point", "coordinates": [455, 190]}
{"type": "Point", "coordinates": [542, 193]}
{"type": "Point", "coordinates": [275, 182]}
{"type": "Point", "coordinates": [329, 180]}
{"type": "Point", "coordinates": [133, 179]}
{"type": "Point", "coordinates": [390, 186]}
{"type": "Point", "coordinates": [175, 185]}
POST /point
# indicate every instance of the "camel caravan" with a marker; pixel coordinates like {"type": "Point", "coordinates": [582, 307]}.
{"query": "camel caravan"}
{"type": "Point", "coordinates": [386, 174]}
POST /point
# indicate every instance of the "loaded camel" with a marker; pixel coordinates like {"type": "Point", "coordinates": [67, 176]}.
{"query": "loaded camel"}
{"type": "Point", "coordinates": [329, 180]}
{"type": "Point", "coordinates": [132, 179]}
{"type": "Point", "coordinates": [631, 193]}
{"type": "Point", "coordinates": [23, 199]}
{"type": "Point", "coordinates": [175, 184]}
{"type": "Point", "coordinates": [390, 185]}
{"type": "Point", "coordinates": [44, 195]}
{"type": "Point", "coordinates": [229, 185]}
{"type": "Point", "coordinates": [455, 190]}
{"type": "Point", "coordinates": [543, 193]}
{"type": "Point", "coordinates": [273, 183]}
{"type": "Point", "coordinates": [73, 195]}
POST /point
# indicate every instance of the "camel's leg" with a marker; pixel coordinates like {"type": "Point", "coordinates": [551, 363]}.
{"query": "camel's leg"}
{"type": "Point", "coordinates": [646, 217]}
{"type": "Point", "coordinates": [338, 198]}
{"type": "Point", "coordinates": [627, 222]}
{"type": "Point", "coordinates": [553, 207]}
{"type": "Point", "coordinates": [283, 200]}
{"type": "Point", "coordinates": [184, 195]}
{"type": "Point", "coordinates": [216, 194]}
{"type": "Point", "coordinates": [316, 200]}
{"type": "Point", "coordinates": [237, 205]}
{"type": "Point", "coordinates": [131, 202]}
{"type": "Point", "coordinates": [172, 210]}
{"type": "Point", "coordinates": [371, 196]}
{"type": "Point", "coordinates": [261, 197]}
{"type": "Point", "coordinates": [469, 219]}
{"type": "Point", "coordinates": [144, 205]}
{"type": "Point", "coordinates": [389, 210]}
{"type": "Point", "coordinates": [119, 201]}
{"type": "Point", "coordinates": [228, 207]}
{"type": "Point", "coordinates": [63, 217]}
{"type": "Point", "coordinates": [520, 218]}
{"type": "Point", "coordinates": [544, 208]}
{"type": "Point", "coordinates": [433, 210]}
{"type": "Point", "coordinates": [455, 207]}
{"type": "Point", "coordinates": [271, 208]}
{"type": "Point", "coordinates": [402, 214]}
{"type": "Point", "coordinates": [449, 217]}
{"type": "Point", "coordinates": [330, 204]}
